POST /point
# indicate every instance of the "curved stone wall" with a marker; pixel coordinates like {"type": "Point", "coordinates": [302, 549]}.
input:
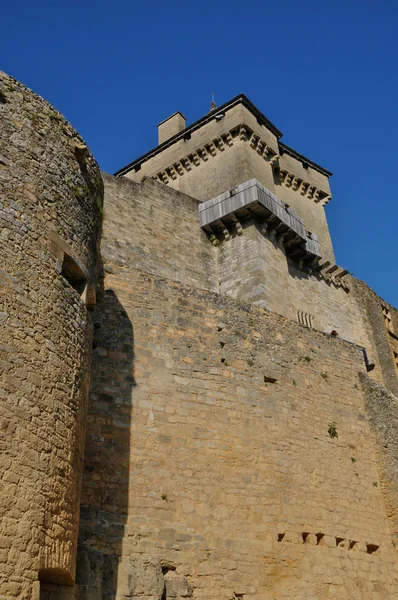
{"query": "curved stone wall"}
{"type": "Point", "coordinates": [51, 196]}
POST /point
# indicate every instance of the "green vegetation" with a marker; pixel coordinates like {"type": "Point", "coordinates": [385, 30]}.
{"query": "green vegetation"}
{"type": "Point", "coordinates": [53, 116]}
{"type": "Point", "coordinates": [332, 430]}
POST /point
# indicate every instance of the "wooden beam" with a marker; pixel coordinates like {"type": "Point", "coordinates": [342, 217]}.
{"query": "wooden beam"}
{"type": "Point", "coordinates": [298, 252]}
{"type": "Point", "coordinates": [313, 262]}
{"type": "Point", "coordinates": [323, 266]}
{"type": "Point", "coordinates": [332, 269]}
{"type": "Point", "coordinates": [293, 242]}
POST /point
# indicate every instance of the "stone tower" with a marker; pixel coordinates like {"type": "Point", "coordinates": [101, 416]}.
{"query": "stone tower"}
{"type": "Point", "coordinates": [50, 216]}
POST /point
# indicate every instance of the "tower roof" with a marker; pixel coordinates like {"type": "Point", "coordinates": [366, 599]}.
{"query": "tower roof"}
{"type": "Point", "coordinates": [213, 115]}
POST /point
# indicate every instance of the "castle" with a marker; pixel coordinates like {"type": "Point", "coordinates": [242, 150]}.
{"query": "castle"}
{"type": "Point", "coordinates": [196, 400]}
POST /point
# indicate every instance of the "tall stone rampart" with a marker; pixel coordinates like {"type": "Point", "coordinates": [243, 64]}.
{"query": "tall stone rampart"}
{"type": "Point", "coordinates": [382, 320]}
{"type": "Point", "coordinates": [230, 452]}
{"type": "Point", "coordinates": [50, 222]}
{"type": "Point", "coordinates": [228, 455]}
{"type": "Point", "coordinates": [156, 229]}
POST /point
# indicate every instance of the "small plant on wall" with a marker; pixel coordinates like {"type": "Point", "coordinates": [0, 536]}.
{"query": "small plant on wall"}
{"type": "Point", "coordinates": [332, 430]}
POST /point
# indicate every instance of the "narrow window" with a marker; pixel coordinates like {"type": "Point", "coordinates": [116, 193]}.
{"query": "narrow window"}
{"type": "Point", "coordinates": [387, 318]}
{"type": "Point", "coordinates": [73, 274]}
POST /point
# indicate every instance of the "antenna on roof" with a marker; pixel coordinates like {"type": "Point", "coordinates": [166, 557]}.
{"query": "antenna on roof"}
{"type": "Point", "coordinates": [213, 104]}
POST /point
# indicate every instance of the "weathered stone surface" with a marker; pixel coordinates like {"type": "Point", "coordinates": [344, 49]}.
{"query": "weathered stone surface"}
{"type": "Point", "coordinates": [177, 586]}
{"type": "Point", "coordinates": [250, 267]}
{"type": "Point", "coordinates": [89, 574]}
{"type": "Point", "coordinates": [228, 472]}
{"type": "Point", "coordinates": [140, 577]}
{"type": "Point", "coordinates": [382, 410]}
{"type": "Point", "coordinates": [232, 453]}
{"type": "Point", "coordinates": [50, 208]}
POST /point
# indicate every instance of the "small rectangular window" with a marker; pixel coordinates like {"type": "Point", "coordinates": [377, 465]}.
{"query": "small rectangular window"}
{"type": "Point", "coordinates": [387, 318]}
{"type": "Point", "coordinates": [73, 274]}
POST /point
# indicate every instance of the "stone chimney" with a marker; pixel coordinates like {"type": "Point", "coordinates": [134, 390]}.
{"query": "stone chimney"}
{"type": "Point", "coordinates": [170, 126]}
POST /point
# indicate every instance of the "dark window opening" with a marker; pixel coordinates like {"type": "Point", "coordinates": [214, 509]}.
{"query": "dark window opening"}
{"type": "Point", "coordinates": [73, 274]}
{"type": "Point", "coordinates": [54, 576]}
{"type": "Point", "coordinates": [387, 318]}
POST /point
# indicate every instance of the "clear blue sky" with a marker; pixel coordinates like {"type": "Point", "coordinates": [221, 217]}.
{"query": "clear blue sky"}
{"type": "Point", "coordinates": [325, 73]}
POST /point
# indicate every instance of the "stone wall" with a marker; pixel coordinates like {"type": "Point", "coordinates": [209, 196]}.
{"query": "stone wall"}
{"type": "Point", "coordinates": [254, 268]}
{"type": "Point", "coordinates": [50, 220]}
{"type": "Point", "coordinates": [384, 331]}
{"type": "Point", "coordinates": [231, 452]}
{"type": "Point", "coordinates": [154, 228]}
{"type": "Point", "coordinates": [229, 455]}
{"type": "Point", "coordinates": [382, 411]}
{"type": "Point", "coordinates": [215, 170]}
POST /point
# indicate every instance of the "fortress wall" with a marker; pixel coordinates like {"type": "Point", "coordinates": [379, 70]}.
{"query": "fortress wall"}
{"type": "Point", "coordinates": [255, 269]}
{"type": "Point", "coordinates": [50, 220]}
{"type": "Point", "coordinates": [382, 409]}
{"type": "Point", "coordinates": [151, 227]}
{"type": "Point", "coordinates": [236, 487]}
{"type": "Point", "coordinates": [241, 163]}
{"type": "Point", "coordinates": [384, 331]}
{"type": "Point", "coordinates": [140, 231]}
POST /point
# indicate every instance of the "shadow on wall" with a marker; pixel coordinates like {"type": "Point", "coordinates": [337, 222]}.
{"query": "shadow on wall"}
{"type": "Point", "coordinates": [104, 504]}
{"type": "Point", "coordinates": [299, 273]}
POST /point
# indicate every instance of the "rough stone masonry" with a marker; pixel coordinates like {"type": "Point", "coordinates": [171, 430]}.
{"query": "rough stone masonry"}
{"type": "Point", "coordinates": [239, 438]}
